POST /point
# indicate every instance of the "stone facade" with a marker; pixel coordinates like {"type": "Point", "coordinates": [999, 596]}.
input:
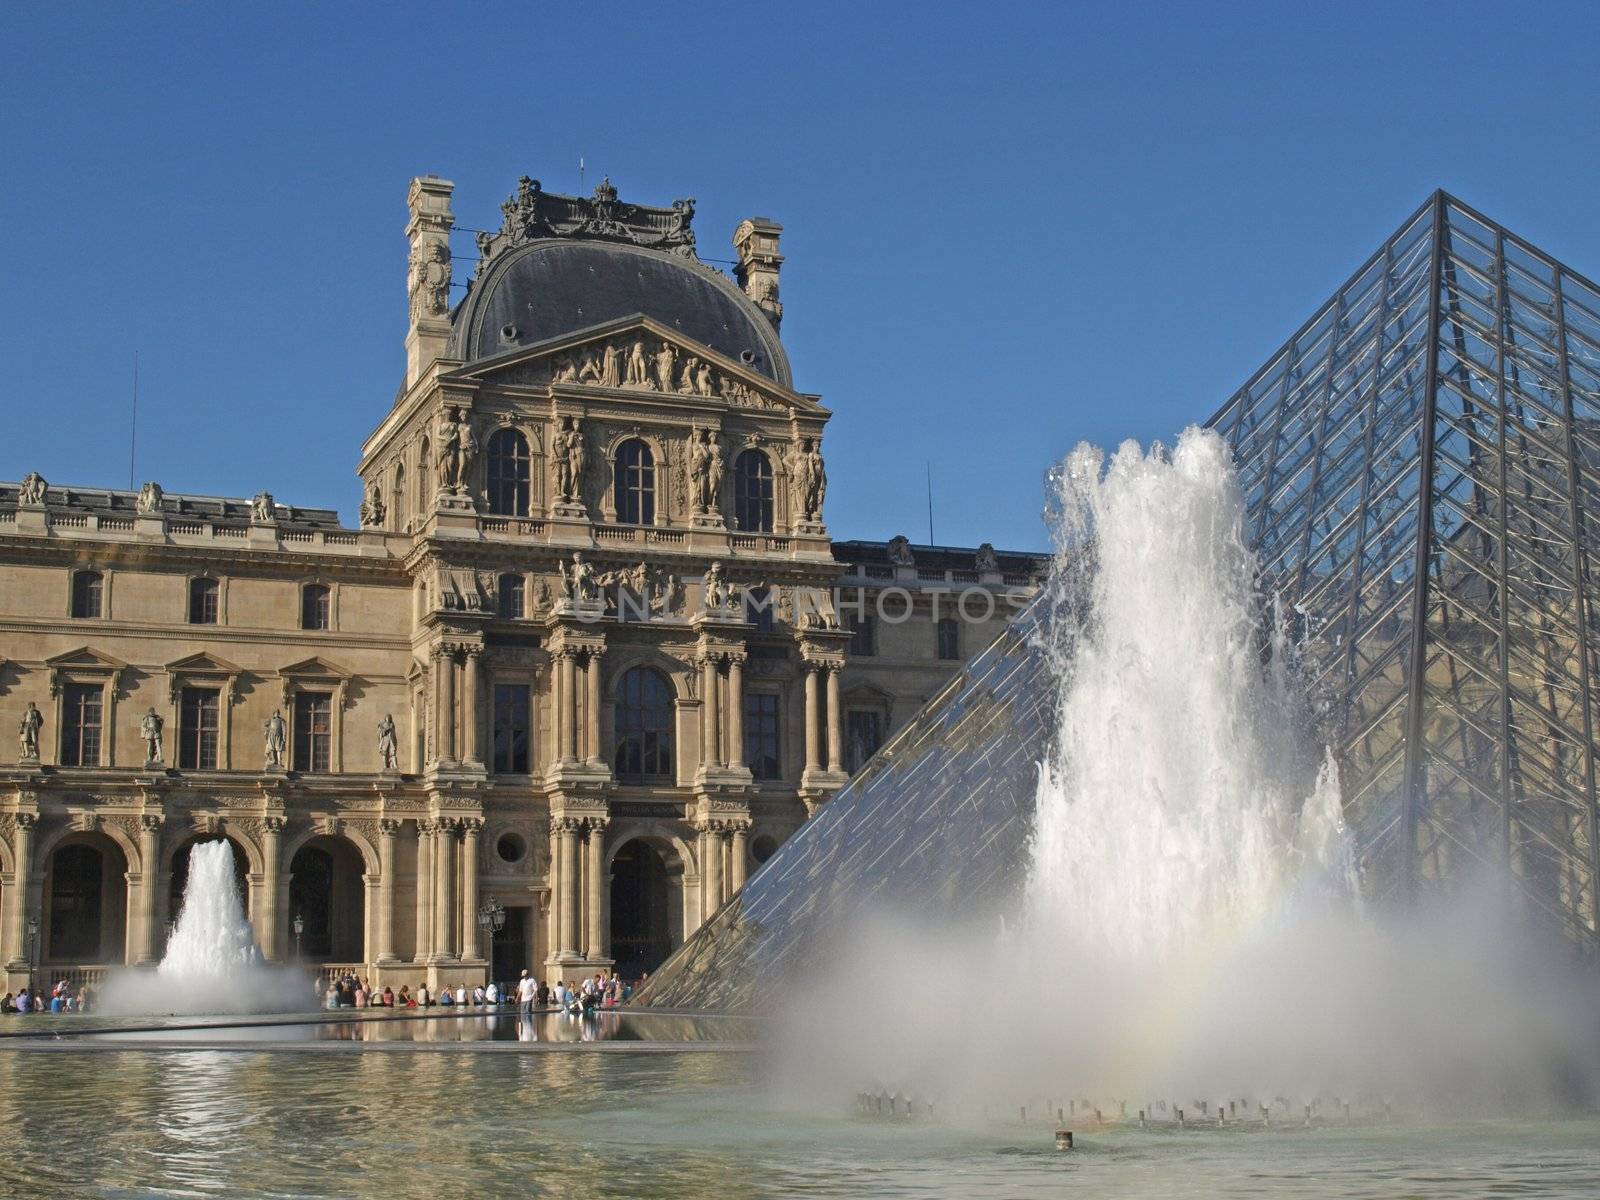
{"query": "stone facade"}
{"type": "Point", "coordinates": [590, 650]}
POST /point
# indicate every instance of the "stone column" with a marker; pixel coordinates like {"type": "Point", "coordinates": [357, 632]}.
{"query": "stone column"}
{"type": "Point", "coordinates": [738, 857]}
{"type": "Point", "coordinates": [565, 709]}
{"type": "Point", "coordinates": [710, 738]}
{"type": "Point", "coordinates": [424, 891]}
{"type": "Point", "coordinates": [712, 872]}
{"type": "Point", "coordinates": [594, 872]}
{"type": "Point", "coordinates": [469, 707]}
{"type": "Point", "coordinates": [447, 707]}
{"type": "Point", "coordinates": [444, 889]}
{"type": "Point", "coordinates": [470, 829]}
{"type": "Point", "coordinates": [386, 881]}
{"type": "Point", "coordinates": [439, 662]}
{"type": "Point", "coordinates": [266, 922]}
{"type": "Point", "coordinates": [813, 717]}
{"type": "Point", "coordinates": [144, 950]}
{"type": "Point", "coordinates": [736, 712]}
{"type": "Point", "coordinates": [591, 718]}
{"type": "Point", "coordinates": [835, 723]}
{"type": "Point", "coordinates": [567, 910]}
{"type": "Point", "coordinates": [16, 925]}
{"type": "Point", "coordinates": [701, 841]}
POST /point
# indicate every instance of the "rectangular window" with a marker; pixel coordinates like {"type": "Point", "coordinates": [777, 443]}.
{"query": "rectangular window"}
{"type": "Point", "coordinates": [511, 729]}
{"type": "Point", "coordinates": [949, 638]}
{"type": "Point", "coordinates": [316, 607]}
{"type": "Point", "coordinates": [81, 709]}
{"type": "Point", "coordinates": [86, 593]}
{"type": "Point", "coordinates": [863, 736]}
{"type": "Point", "coordinates": [313, 731]}
{"type": "Point", "coordinates": [761, 741]}
{"type": "Point", "coordinates": [202, 602]}
{"type": "Point", "coordinates": [509, 597]}
{"type": "Point", "coordinates": [198, 729]}
{"type": "Point", "coordinates": [864, 635]}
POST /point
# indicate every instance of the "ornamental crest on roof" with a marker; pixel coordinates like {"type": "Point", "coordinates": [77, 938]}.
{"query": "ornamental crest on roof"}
{"type": "Point", "coordinates": [531, 212]}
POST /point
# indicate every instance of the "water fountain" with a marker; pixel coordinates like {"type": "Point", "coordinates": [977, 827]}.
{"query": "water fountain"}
{"type": "Point", "coordinates": [212, 964]}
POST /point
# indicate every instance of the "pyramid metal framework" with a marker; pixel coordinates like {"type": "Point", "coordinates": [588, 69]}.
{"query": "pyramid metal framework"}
{"type": "Point", "coordinates": [1421, 463]}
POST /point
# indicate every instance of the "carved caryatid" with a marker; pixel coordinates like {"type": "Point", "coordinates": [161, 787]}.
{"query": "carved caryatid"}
{"type": "Point", "coordinates": [706, 471]}
{"type": "Point", "coordinates": [569, 457]}
{"type": "Point", "coordinates": [428, 279]}
{"type": "Point", "coordinates": [810, 479]}
{"type": "Point", "coordinates": [458, 448]}
{"type": "Point", "coordinates": [28, 733]}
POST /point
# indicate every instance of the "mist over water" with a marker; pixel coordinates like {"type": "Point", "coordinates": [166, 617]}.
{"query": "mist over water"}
{"type": "Point", "coordinates": [1191, 924]}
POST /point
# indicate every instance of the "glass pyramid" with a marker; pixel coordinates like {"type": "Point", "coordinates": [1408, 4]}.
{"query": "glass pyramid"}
{"type": "Point", "coordinates": [1422, 466]}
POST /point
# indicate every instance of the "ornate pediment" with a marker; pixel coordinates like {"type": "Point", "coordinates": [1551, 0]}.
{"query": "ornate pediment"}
{"type": "Point", "coordinates": [85, 659]}
{"type": "Point", "coordinates": [639, 358]}
{"type": "Point", "coordinates": [203, 664]}
{"type": "Point", "coordinates": [317, 667]}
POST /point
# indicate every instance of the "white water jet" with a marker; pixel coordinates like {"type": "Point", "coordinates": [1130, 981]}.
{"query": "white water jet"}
{"type": "Point", "coordinates": [212, 964]}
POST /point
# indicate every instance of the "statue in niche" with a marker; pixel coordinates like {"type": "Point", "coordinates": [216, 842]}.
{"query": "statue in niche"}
{"type": "Point", "coordinates": [700, 470]}
{"type": "Point", "coordinates": [263, 508]}
{"type": "Point", "coordinates": [28, 732]}
{"type": "Point", "coordinates": [568, 458]}
{"type": "Point", "coordinates": [277, 738]}
{"type": "Point", "coordinates": [638, 368]}
{"type": "Point", "coordinates": [686, 384]}
{"type": "Point", "coordinates": [589, 368]}
{"type": "Point", "coordinates": [458, 447]}
{"type": "Point", "coordinates": [149, 502]}
{"type": "Point", "coordinates": [429, 280]}
{"type": "Point", "coordinates": [611, 366]}
{"type": "Point", "coordinates": [714, 483]}
{"type": "Point", "coordinates": [988, 560]}
{"type": "Point", "coordinates": [666, 361]}
{"type": "Point", "coordinates": [33, 489]}
{"type": "Point", "coordinates": [702, 380]}
{"type": "Point", "coordinates": [150, 726]}
{"type": "Point", "coordinates": [388, 744]}
{"type": "Point", "coordinates": [372, 510]}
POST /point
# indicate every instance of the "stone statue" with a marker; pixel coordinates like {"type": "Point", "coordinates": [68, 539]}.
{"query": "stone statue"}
{"type": "Point", "coordinates": [28, 733]}
{"type": "Point", "coordinates": [611, 366]}
{"type": "Point", "coordinates": [564, 369]}
{"type": "Point", "coordinates": [638, 369]}
{"type": "Point", "coordinates": [900, 551]}
{"type": "Point", "coordinates": [702, 380]}
{"type": "Point", "coordinates": [149, 501]}
{"type": "Point", "coordinates": [679, 236]}
{"type": "Point", "coordinates": [811, 480]}
{"type": "Point", "coordinates": [666, 361]}
{"type": "Point", "coordinates": [700, 471]}
{"type": "Point", "coordinates": [458, 447]}
{"type": "Point", "coordinates": [277, 736]}
{"type": "Point", "coordinates": [686, 383]}
{"type": "Point", "coordinates": [372, 510]}
{"type": "Point", "coordinates": [714, 482]}
{"type": "Point", "coordinates": [428, 280]}
{"type": "Point", "coordinates": [33, 489]}
{"type": "Point", "coordinates": [988, 560]}
{"type": "Point", "coordinates": [581, 584]}
{"type": "Point", "coordinates": [150, 726]}
{"type": "Point", "coordinates": [714, 592]}
{"type": "Point", "coordinates": [568, 458]}
{"type": "Point", "coordinates": [388, 744]}
{"type": "Point", "coordinates": [589, 369]}
{"type": "Point", "coordinates": [263, 508]}
{"type": "Point", "coordinates": [667, 596]}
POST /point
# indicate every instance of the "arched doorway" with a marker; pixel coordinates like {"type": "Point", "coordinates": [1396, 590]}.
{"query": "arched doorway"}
{"type": "Point", "coordinates": [180, 875]}
{"type": "Point", "coordinates": [86, 902]}
{"type": "Point", "coordinates": [646, 906]}
{"type": "Point", "coordinates": [328, 894]}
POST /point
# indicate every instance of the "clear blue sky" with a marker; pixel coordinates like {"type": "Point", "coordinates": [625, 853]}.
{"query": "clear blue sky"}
{"type": "Point", "coordinates": [1075, 221]}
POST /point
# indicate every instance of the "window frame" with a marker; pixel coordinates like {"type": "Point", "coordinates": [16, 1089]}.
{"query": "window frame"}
{"type": "Point", "coordinates": [323, 592]}
{"type": "Point", "coordinates": [507, 493]}
{"type": "Point", "coordinates": [652, 745]}
{"type": "Point", "coordinates": [506, 763]}
{"type": "Point", "coordinates": [206, 597]}
{"type": "Point", "coordinates": [942, 627]}
{"type": "Point", "coordinates": [304, 742]}
{"type": "Point", "coordinates": [633, 492]}
{"type": "Point", "coordinates": [759, 725]}
{"type": "Point", "coordinates": [191, 736]}
{"type": "Point", "coordinates": [754, 488]}
{"type": "Point", "coordinates": [520, 589]}
{"type": "Point", "coordinates": [85, 689]}
{"type": "Point", "coordinates": [97, 588]}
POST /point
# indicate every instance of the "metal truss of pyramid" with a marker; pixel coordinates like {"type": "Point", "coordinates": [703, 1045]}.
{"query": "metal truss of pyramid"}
{"type": "Point", "coordinates": [1422, 466]}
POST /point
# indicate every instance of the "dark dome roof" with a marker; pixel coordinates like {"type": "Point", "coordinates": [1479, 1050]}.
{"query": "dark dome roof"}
{"type": "Point", "coordinates": [556, 286]}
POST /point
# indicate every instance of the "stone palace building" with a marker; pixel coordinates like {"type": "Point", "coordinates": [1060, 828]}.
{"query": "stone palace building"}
{"type": "Point", "coordinates": [589, 656]}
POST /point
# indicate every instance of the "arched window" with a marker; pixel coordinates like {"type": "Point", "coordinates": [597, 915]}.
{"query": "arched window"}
{"type": "Point", "coordinates": [203, 601]}
{"type": "Point", "coordinates": [752, 492]}
{"type": "Point", "coordinates": [87, 590]}
{"type": "Point", "coordinates": [636, 483]}
{"type": "Point", "coordinates": [509, 596]}
{"type": "Point", "coordinates": [400, 497]}
{"type": "Point", "coordinates": [644, 723]}
{"type": "Point", "coordinates": [424, 470]}
{"type": "Point", "coordinates": [508, 473]}
{"type": "Point", "coordinates": [316, 607]}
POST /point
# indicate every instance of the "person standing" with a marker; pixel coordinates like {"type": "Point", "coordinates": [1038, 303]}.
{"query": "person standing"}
{"type": "Point", "coordinates": [527, 990]}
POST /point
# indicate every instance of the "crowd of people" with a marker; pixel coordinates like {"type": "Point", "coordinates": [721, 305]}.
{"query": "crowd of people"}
{"type": "Point", "coordinates": [62, 999]}
{"type": "Point", "coordinates": [576, 997]}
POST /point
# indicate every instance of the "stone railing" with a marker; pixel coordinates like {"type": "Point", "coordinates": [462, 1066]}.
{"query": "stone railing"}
{"type": "Point", "coordinates": [187, 531]}
{"type": "Point", "coordinates": [962, 575]}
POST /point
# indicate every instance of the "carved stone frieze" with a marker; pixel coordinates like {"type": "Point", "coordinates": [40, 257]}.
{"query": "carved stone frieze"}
{"type": "Point", "coordinates": [531, 212]}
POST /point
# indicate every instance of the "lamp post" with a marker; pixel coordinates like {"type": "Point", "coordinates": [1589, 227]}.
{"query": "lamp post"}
{"type": "Point", "coordinates": [33, 953]}
{"type": "Point", "coordinates": [491, 919]}
{"type": "Point", "coordinates": [299, 928]}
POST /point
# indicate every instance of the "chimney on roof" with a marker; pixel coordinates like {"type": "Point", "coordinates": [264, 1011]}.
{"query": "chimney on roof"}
{"type": "Point", "coordinates": [756, 242]}
{"type": "Point", "coordinates": [428, 272]}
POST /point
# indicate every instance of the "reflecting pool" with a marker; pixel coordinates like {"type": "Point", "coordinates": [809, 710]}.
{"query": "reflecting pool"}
{"type": "Point", "coordinates": [265, 1122]}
